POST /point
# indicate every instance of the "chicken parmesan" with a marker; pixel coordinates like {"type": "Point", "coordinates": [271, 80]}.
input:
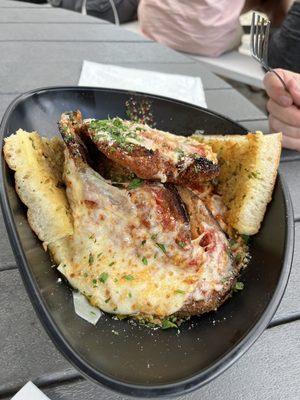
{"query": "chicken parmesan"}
{"type": "Point", "coordinates": [147, 235]}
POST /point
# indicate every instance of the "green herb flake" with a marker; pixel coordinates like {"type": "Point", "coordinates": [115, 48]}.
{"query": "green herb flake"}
{"type": "Point", "coordinates": [103, 277]}
{"type": "Point", "coordinates": [112, 263]}
{"type": "Point", "coordinates": [94, 281]}
{"type": "Point", "coordinates": [180, 153]}
{"type": "Point", "coordinates": [238, 286]}
{"type": "Point", "coordinates": [92, 312]}
{"type": "Point", "coordinates": [143, 242]}
{"type": "Point", "coordinates": [239, 257]}
{"type": "Point", "coordinates": [167, 324]}
{"type": "Point", "coordinates": [116, 280]}
{"type": "Point", "coordinates": [135, 183]}
{"type": "Point", "coordinates": [129, 295]}
{"type": "Point", "coordinates": [162, 247]}
{"type": "Point", "coordinates": [154, 237]}
{"type": "Point", "coordinates": [121, 316]}
{"type": "Point", "coordinates": [255, 175]}
{"type": "Point", "coordinates": [225, 279]}
{"type": "Point", "coordinates": [85, 274]}
{"type": "Point", "coordinates": [179, 291]}
{"type": "Point", "coordinates": [233, 244]}
{"type": "Point", "coordinates": [107, 300]}
{"type": "Point", "coordinates": [245, 238]}
{"type": "Point", "coordinates": [32, 142]}
{"type": "Point", "coordinates": [128, 277]}
{"type": "Point", "coordinates": [182, 244]}
{"type": "Point", "coordinates": [144, 261]}
{"type": "Point", "coordinates": [91, 259]}
{"type": "Point", "coordinates": [68, 138]}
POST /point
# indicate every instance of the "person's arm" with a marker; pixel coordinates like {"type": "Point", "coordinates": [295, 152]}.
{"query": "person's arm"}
{"type": "Point", "coordinates": [284, 106]}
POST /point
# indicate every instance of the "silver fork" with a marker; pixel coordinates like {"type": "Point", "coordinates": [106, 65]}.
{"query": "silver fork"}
{"type": "Point", "coordinates": [259, 38]}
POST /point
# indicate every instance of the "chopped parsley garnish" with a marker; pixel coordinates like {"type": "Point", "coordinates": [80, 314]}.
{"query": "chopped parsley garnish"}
{"type": "Point", "coordinates": [195, 156]}
{"type": "Point", "coordinates": [91, 259]}
{"type": "Point", "coordinates": [92, 312]}
{"type": "Point", "coordinates": [129, 295]}
{"type": "Point", "coordinates": [225, 279]}
{"type": "Point", "coordinates": [255, 175]}
{"type": "Point", "coordinates": [239, 257]}
{"type": "Point", "coordinates": [128, 277]}
{"type": "Point", "coordinates": [94, 281]}
{"type": "Point", "coordinates": [233, 244]}
{"type": "Point", "coordinates": [112, 263]}
{"type": "Point", "coordinates": [179, 291]}
{"type": "Point", "coordinates": [238, 286]}
{"type": "Point", "coordinates": [107, 300]}
{"type": "Point", "coordinates": [162, 247]}
{"type": "Point", "coordinates": [166, 324]}
{"type": "Point", "coordinates": [116, 280]}
{"type": "Point", "coordinates": [68, 138]}
{"type": "Point", "coordinates": [154, 237]}
{"type": "Point", "coordinates": [32, 142]}
{"type": "Point", "coordinates": [103, 277]}
{"type": "Point", "coordinates": [85, 274]}
{"type": "Point", "coordinates": [180, 154]}
{"type": "Point", "coordinates": [245, 238]}
{"type": "Point", "coordinates": [197, 168]}
{"type": "Point", "coordinates": [143, 242]}
{"type": "Point", "coordinates": [182, 244]}
{"type": "Point", "coordinates": [144, 261]}
{"type": "Point", "coordinates": [135, 183]}
{"type": "Point", "coordinates": [116, 130]}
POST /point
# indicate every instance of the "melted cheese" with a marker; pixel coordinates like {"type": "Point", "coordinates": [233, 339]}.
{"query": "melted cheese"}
{"type": "Point", "coordinates": [122, 266]}
{"type": "Point", "coordinates": [166, 143]}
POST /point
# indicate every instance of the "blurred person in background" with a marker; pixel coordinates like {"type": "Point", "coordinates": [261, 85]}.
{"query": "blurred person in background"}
{"type": "Point", "coordinates": [284, 107]}
{"type": "Point", "coordinates": [126, 9]}
{"type": "Point", "coordinates": [203, 27]}
{"type": "Point", "coordinates": [284, 43]}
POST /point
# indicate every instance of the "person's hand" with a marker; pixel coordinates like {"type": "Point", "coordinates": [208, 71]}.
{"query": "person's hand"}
{"type": "Point", "coordinates": [284, 106]}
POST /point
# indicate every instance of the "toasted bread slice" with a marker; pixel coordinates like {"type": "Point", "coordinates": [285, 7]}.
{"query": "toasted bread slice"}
{"type": "Point", "coordinates": [38, 166]}
{"type": "Point", "coordinates": [248, 170]}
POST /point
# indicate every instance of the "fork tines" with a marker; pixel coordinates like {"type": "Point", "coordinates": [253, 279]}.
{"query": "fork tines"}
{"type": "Point", "coordinates": [259, 36]}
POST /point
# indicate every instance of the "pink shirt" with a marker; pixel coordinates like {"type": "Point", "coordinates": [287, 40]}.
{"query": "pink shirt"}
{"type": "Point", "coordinates": [206, 27]}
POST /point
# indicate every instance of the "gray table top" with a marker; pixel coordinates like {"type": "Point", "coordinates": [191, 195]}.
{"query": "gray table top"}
{"type": "Point", "coordinates": [44, 46]}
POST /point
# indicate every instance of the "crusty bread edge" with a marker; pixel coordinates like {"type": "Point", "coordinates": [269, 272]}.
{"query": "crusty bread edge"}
{"type": "Point", "coordinates": [251, 226]}
{"type": "Point", "coordinates": [238, 218]}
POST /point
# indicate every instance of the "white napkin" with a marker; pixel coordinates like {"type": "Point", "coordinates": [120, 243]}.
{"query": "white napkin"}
{"type": "Point", "coordinates": [180, 87]}
{"type": "Point", "coordinates": [30, 392]}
